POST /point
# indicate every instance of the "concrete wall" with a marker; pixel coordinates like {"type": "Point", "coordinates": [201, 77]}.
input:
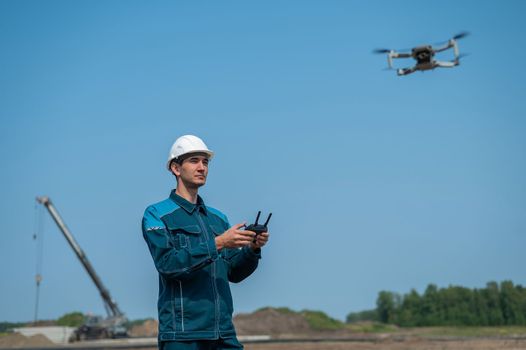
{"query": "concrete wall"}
{"type": "Point", "coordinates": [57, 334]}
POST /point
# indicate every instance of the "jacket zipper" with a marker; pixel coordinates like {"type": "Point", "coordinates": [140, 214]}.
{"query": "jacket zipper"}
{"type": "Point", "coordinates": [214, 283]}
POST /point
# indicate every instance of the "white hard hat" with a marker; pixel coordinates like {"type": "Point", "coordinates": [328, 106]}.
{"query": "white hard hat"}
{"type": "Point", "coordinates": [187, 144]}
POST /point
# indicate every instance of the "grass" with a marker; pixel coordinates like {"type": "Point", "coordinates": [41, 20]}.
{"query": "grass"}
{"type": "Point", "coordinates": [321, 321]}
{"type": "Point", "coordinates": [458, 331]}
{"type": "Point", "coordinates": [317, 320]}
{"type": "Point", "coordinates": [496, 331]}
{"type": "Point", "coordinates": [371, 327]}
{"type": "Point", "coordinates": [282, 310]}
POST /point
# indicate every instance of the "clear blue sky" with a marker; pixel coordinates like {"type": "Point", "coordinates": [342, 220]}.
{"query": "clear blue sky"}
{"type": "Point", "coordinates": [376, 182]}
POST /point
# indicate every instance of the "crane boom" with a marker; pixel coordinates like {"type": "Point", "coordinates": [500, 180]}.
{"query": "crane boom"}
{"type": "Point", "coordinates": [111, 307]}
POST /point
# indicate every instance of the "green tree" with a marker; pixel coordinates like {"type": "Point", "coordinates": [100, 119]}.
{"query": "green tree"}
{"type": "Point", "coordinates": [510, 301]}
{"type": "Point", "coordinates": [72, 319]}
{"type": "Point", "coordinates": [386, 307]}
{"type": "Point", "coordinates": [491, 294]}
{"type": "Point", "coordinates": [429, 308]}
{"type": "Point", "coordinates": [454, 306]}
{"type": "Point", "coordinates": [409, 314]}
{"type": "Point", "coordinates": [481, 307]}
{"type": "Point", "coordinates": [522, 302]}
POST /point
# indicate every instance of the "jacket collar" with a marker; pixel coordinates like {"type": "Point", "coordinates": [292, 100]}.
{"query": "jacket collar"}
{"type": "Point", "coordinates": [186, 205]}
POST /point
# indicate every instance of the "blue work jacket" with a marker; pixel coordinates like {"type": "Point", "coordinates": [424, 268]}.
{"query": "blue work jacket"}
{"type": "Point", "coordinates": [194, 293]}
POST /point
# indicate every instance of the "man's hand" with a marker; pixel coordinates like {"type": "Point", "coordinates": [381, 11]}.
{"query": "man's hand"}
{"type": "Point", "coordinates": [261, 240]}
{"type": "Point", "coordinates": [235, 238]}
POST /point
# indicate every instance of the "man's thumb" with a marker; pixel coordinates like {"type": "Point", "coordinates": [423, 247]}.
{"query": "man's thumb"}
{"type": "Point", "coordinates": [238, 226]}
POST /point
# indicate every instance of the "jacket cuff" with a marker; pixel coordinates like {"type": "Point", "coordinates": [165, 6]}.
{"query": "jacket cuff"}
{"type": "Point", "coordinates": [252, 254]}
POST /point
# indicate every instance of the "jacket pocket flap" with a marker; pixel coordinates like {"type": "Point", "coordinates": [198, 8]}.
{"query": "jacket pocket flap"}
{"type": "Point", "coordinates": [192, 229]}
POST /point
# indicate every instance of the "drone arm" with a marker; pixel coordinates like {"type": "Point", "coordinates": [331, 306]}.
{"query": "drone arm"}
{"type": "Point", "coordinates": [394, 54]}
{"type": "Point", "coordinates": [405, 71]}
{"type": "Point", "coordinates": [445, 47]}
{"type": "Point", "coordinates": [446, 64]}
{"type": "Point", "coordinates": [455, 48]}
{"type": "Point", "coordinates": [390, 60]}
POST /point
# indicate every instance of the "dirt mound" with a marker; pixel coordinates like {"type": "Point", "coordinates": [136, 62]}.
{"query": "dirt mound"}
{"type": "Point", "coordinates": [148, 328]}
{"type": "Point", "coordinates": [17, 340]}
{"type": "Point", "coordinates": [272, 322]}
{"type": "Point", "coordinates": [42, 323]}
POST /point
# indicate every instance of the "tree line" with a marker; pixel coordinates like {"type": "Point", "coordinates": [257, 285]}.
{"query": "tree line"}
{"type": "Point", "coordinates": [495, 305]}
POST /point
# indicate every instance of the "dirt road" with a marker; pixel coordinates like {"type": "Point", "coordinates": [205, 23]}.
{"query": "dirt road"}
{"type": "Point", "coordinates": [413, 344]}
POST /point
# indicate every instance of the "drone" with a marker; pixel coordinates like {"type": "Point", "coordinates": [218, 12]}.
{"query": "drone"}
{"type": "Point", "coordinates": [424, 56]}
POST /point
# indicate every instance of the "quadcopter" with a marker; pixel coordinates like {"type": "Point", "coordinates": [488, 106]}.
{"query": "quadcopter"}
{"type": "Point", "coordinates": [424, 56]}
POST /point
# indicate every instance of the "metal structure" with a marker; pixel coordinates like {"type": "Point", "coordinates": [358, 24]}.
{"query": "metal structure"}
{"type": "Point", "coordinates": [424, 56]}
{"type": "Point", "coordinates": [95, 326]}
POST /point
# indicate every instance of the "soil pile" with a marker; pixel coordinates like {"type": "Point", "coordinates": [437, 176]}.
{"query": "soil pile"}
{"type": "Point", "coordinates": [148, 328]}
{"type": "Point", "coordinates": [42, 323]}
{"type": "Point", "coordinates": [17, 340]}
{"type": "Point", "coordinates": [270, 321]}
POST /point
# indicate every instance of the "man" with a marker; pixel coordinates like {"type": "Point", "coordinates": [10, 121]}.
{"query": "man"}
{"type": "Point", "coordinates": [197, 254]}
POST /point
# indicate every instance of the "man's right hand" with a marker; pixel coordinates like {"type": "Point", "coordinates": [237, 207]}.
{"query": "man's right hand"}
{"type": "Point", "coordinates": [234, 237]}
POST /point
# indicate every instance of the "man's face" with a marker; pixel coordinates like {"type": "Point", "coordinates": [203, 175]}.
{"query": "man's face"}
{"type": "Point", "coordinates": [193, 171]}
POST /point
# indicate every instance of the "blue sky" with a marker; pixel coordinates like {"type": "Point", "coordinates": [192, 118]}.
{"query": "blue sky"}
{"type": "Point", "coordinates": [376, 182]}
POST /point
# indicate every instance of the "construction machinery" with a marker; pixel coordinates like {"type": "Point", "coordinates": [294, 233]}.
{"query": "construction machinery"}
{"type": "Point", "coordinates": [94, 327]}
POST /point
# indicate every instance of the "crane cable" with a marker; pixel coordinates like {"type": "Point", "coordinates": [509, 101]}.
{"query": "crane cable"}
{"type": "Point", "coordinates": [38, 236]}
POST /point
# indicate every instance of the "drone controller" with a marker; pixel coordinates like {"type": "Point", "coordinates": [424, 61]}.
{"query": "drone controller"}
{"type": "Point", "coordinates": [258, 228]}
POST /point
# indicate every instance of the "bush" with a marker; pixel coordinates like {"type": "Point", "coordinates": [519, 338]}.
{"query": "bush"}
{"type": "Point", "coordinates": [281, 310]}
{"type": "Point", "coordinates": [367, 315]}
{"type": "Point", "coordinates": [72, 319]}
{"type": "Point", "coordinates": [321, 321]}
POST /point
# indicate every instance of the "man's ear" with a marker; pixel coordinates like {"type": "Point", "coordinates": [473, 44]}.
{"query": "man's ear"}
{"type": "Point", "coordinates": [174, 167]}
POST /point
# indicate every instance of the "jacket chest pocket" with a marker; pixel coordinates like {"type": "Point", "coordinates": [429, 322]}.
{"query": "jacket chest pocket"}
{"type": "Point", "coordinates": [217, 230]}
{"type": "Point", "coordinates": [186, 236]}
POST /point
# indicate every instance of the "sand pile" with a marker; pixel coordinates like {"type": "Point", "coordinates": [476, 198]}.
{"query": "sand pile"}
{"type": "Point", "coordinates": [147, 329]}
{"type": "Point", "coordinates": [271, 322]}
{"type": "Point", "coordinates": [17, 340]}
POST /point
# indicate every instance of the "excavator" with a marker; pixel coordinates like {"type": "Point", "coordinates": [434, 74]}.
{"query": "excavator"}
{"type": "Point", "coordinates": [94, 327]}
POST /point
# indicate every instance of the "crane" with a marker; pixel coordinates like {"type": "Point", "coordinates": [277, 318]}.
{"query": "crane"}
{"type": "Point", "coordinates": [95, 326]}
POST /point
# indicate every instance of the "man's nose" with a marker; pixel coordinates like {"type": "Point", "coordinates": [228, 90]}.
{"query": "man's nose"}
{"type": "Point", "coordinates": [201, 166]}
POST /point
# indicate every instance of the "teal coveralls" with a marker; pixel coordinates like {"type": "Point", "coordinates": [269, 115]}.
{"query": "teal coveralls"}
{"type": "Point", "coordinates": [195, 304]}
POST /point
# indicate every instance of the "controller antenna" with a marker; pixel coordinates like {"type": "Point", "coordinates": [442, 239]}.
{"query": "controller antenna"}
{"type": "Point", "coordinates": [268, 219]}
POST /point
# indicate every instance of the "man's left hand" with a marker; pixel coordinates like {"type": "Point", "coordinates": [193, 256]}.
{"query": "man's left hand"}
{"type": "Point", "coordinates": [261, 240]}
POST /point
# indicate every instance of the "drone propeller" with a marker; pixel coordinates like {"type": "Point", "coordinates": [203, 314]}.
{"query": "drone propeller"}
{"type": "Point", "coordinates": [455, 37]}
{"type": "Point", "coordinates": [461, 35]}
{"type": "Point", "coordinates": [381, 51]}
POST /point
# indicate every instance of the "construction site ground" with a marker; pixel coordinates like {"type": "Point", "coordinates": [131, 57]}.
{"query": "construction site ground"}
{"type": "Point", "coordinates": [413, 344]}
{"type": "Point", "coordinates": [270, 329]}
{"type": "Point", "coordinates": [376, 342]}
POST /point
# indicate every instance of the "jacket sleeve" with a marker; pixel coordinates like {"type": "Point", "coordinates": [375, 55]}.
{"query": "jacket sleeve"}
{"type": "Point", "coordinates": [171, 262]}
{"type": "Point", "coordinates": [242, 262]}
